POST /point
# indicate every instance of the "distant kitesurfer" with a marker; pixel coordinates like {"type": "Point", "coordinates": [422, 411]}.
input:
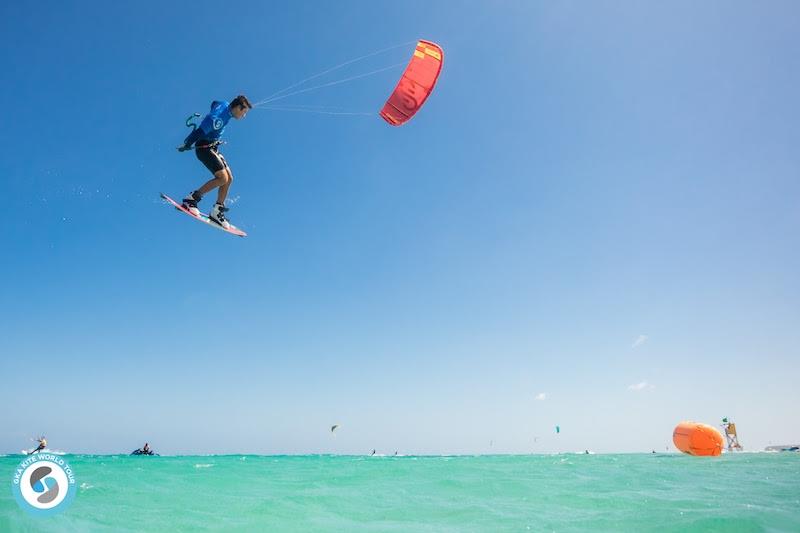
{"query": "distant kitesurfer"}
{"type": "Point", "coordinates": [206, 139]}
{"type": "Point", "coordinates": [42, 444]}
{"type": "Point", "coordinates": [373, 453]}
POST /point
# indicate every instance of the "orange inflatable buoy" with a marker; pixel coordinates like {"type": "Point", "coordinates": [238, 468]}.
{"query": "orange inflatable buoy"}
{"type": "Point", "coordinates": [695, 438]}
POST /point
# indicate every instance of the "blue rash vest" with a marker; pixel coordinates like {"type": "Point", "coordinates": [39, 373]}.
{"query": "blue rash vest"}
{"type": "Point", "coordinates": [213, 124]}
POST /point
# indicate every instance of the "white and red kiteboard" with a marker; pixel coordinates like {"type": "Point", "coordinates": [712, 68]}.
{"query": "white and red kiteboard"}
{"type": "Point", "coordinates": [202, 217]}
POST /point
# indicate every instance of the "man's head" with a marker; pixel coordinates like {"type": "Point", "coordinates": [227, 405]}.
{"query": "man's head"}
{"type": "Point", "coordinates": [239, 106]}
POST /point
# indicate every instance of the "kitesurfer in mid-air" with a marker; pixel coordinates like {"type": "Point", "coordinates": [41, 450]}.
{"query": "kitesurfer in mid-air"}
{"type": "Point", "coordinates": [206, 139]}
{"type": "Point", "coordinates": [42, 444]}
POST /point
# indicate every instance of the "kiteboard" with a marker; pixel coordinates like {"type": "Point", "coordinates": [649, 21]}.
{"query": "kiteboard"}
{"type": "Point", "coordinates": [202, 217]}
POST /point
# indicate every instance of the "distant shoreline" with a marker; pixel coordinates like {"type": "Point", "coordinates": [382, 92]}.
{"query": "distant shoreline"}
{"type": "Point", "coordinates": [299, 455]}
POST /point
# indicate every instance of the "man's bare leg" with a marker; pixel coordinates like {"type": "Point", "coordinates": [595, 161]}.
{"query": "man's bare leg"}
{"type": "Point", "coordinates": [222, 193]}
{"type": "Point", "coordinates": [221, 179]}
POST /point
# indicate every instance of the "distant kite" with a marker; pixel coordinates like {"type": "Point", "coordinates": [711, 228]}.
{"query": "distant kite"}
{"type": "Point", "coordinates": [333, 427]}
{"type": "Point", "coordinates": [415, 85]}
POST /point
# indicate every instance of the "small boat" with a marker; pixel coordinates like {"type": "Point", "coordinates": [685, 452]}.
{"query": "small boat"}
{"type": "Point", "coordinates": [783, 448]}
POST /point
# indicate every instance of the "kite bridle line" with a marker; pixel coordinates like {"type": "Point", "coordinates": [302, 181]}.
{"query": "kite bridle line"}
{"type": "Point", "coordinates": [318, 111]}
{"type": "Point", "coordinates": [329, 84]}
{"type": "Point", "coordinates": [331, 69]}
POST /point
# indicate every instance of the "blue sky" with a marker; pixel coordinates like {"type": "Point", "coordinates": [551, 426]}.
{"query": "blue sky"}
{"type": "Point", "coordinates": [597, 195]}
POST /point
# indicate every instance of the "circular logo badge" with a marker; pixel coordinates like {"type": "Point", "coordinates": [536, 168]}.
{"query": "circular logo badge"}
{"type": "Point", "coordinates": [44, 484]}
{"type": "Point", "coordinates": [218, 124]}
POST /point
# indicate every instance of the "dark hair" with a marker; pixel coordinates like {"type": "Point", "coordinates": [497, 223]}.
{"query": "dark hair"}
{"type": "Point", "coordinates": [241, 101]}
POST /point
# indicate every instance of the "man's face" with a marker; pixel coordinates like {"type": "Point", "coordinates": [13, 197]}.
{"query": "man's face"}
{"type": "Point", "coordinates": [238, 112]}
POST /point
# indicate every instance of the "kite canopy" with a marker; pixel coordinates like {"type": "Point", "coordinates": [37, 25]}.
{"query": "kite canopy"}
{"type": "Point", "coordinates": [415, 85]}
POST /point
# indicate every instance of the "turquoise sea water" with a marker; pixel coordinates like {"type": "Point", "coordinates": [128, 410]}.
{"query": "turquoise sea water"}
{"type": "Point", "coordinates": [663, 492]}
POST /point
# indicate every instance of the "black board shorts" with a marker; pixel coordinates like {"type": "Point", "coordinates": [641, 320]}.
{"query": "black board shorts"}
{"type": "Point", "coordinates": [210, 157]}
